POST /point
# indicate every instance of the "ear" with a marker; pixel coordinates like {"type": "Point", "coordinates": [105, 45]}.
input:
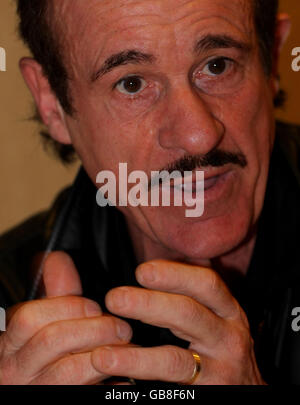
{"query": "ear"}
{"type": "Point", "coordinates": [283, 28]}
{"type": "Point", "coordinates": [49, 107]}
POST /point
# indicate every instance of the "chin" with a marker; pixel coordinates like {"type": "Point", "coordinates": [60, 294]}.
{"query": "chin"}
{"type": "Point", "coordinates": [208, 239]}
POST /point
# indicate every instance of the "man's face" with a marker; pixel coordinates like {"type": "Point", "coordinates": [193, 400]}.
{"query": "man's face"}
{"type": "Point", "coordinates": [190, 82]}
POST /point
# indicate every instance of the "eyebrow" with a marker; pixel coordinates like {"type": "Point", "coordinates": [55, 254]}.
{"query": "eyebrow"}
{"type": "Point", "coordinates": [210, 42]}
{"type": "Point", "coordinates": [122, 58]}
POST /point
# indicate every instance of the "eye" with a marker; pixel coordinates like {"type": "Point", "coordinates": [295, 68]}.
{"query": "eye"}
{"type": "Point", "coordinates": [221, 75]}
{"type": "Point", "coordinates": [131, 85]}
{"type": "Point", "coordinates": [216, 67]}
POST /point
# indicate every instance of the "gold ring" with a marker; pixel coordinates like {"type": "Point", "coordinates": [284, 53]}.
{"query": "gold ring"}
{"type": "Point", "coordinates": [196, 371]}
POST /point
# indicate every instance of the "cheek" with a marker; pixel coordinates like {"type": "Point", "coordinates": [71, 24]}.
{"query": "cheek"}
{"type": "Point", "coordinates": [105, 137]}
{"type": "Point", "coordinates": [250, 127]}
{"type": "Point", "coordinates": [249, 120]}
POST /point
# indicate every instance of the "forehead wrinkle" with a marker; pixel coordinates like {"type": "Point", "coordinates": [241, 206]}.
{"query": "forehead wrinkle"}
{"type": "Point", "coordinates": [66, 16]}
{"type": "Point", "coordinates": [64, 12]}
{"type": "Point", "coordinates": [64, 9]}
{"type": "Point", "coordinates": [223, 13]}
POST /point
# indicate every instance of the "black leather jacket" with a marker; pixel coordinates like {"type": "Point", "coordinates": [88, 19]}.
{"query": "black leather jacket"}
{"type": "Point", "coordinates": [98, 240]}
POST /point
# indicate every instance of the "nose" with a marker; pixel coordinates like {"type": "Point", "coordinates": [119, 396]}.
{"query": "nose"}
{"type": "Point", "coordinates": [190, 124]}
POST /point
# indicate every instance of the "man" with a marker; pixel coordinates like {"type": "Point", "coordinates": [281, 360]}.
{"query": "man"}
{"type": "Point", "coordinates": [187, 85]}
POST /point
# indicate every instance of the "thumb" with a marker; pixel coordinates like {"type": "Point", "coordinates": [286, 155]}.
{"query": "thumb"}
{"type": "Point", "coordinates": [60, 276]}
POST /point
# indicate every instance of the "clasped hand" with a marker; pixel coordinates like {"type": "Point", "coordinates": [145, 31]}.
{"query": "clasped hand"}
{"type": "Point", "coordinates": [67, 339]}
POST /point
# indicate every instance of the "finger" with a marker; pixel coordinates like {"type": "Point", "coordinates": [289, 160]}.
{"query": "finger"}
{"type": "Point", "coordinates": [202, 284]}
{"type": "Point", "coordinates": [64, 337]}
{"type": "Point", "coordinates": [184, 316]}
{"type": "Point", "coordinates": [75, 369]}
{"type": "Point", "coordinates": [10, 312]}
{"type": "Point", "coordinates": [163, 363]}
{"type": "Point", "coordinates": [60, 276]}
{"type": "Point", "coordinates": [34, 315]}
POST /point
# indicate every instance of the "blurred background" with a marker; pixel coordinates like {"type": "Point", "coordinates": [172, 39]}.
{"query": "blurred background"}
{"type": "Point", "coordinates": [29, 177]}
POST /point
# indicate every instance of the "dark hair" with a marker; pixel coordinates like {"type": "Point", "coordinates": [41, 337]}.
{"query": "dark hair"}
{"type": "Point", "coordinates": [36, 30]}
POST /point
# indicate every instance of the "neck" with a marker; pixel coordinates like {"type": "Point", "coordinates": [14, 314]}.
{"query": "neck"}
{"type": "Point", "coordinates": [234, 265]}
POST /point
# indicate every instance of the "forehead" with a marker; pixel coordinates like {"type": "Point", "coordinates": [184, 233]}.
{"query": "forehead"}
{"type": "Point", "coordinates": [109, 9]}
{"type": "Point", "coordinates": [103, 26]}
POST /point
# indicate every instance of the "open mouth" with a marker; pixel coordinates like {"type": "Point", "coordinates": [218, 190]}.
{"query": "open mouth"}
{"type": "Point", "coordinates": [193, 185]}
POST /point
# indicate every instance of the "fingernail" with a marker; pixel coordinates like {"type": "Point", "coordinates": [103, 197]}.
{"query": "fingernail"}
{"type": "Point", "coordinates": [92, 309]}
{"type": "Point", "coordinates": [123, 331]}
{"type": "Point", "coordinates": [147, 273]}
{"type": "Point", "coordinates": [107, 358]}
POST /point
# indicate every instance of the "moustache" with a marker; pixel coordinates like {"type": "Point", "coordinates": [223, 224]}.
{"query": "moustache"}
{"type": "Point", "coordinates": [214, 158]}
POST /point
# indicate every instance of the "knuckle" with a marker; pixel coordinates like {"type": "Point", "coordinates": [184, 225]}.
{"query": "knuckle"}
{"type": "Point", "coordinates": [188, 309]}
{"type": "Point", "coordinates": [74, 305]}
{"type": "Point", "coordinates": [146, 299]}
{"type": "Point", "coordinates": [67, 368]}
{"type": "Point", "coordinates": [70, 370]}
{"type": "Point", "coordinates": [213, 283]}
{"type": "Point", "coordinates": [241, 343]}
{"type": "Point", "coordinates": [176, 365]}
{"type": "Point", "coordinates": [50, 336]}
{"type": "Point", "coordinates": [24, 318]}
{"type": "Point", "coordinates": [134, 358]}
{"type": "Point", "coordinates": [242, 316]}
{"type": "Point", "coordinates": [11, 311]}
